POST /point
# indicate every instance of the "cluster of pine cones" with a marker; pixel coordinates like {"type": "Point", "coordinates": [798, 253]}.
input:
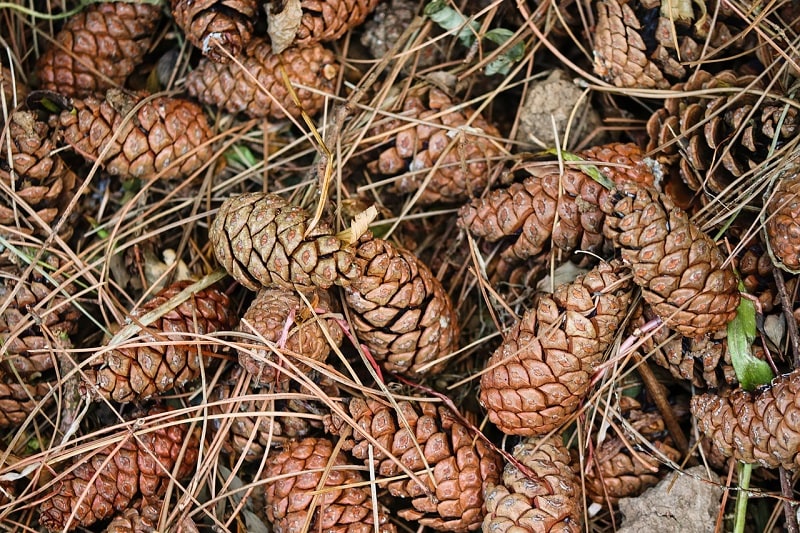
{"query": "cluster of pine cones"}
{"type": "Point", "coordinates": [298, 265]}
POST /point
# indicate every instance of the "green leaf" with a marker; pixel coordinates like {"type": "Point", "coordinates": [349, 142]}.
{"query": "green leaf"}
{"type": "Point", "coordinates": [450, 19]}
{"type": "Point", "coordinates": [751, 371]}
{"type": "Point", "coordinates": [240, 154]}
{"type": "Point", "coordinates": [502, 65]}
{"type": "Point", "coordinates": [591, 170]}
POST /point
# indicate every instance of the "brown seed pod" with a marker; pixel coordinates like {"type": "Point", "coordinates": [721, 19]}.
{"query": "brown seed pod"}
{"type": "Point", "coordinates": [549, 502]}
{"type": "Point", "coordinates": [327, 20]}
{"type": "Point", "coordinates": [679, 268]}
{"type": "Point", "coordinates": [167, 355]}
{"type": "Point", "coordinates": [400, 310]}
{"type": "Point", "coordinates": [281, 317]}
{"type": "Point", "coordinates": [755, 427]}
{"type": "Point", "coordinates": [257, 89]}
{"type": "Point", "coordinates": [461, 465]}
{"type": "Point", "coordinates": [98, 48]}
{"type": "Point", "coordinates": [783, 225]}
{"type": "Point", "coordinates": [431, 123]}
{"type": "Point", "coordinates": [165, 136]}
{"type": "Point", "coordinates": [212, 23]}
{"type": "Point", "coordinates": [142, 464]}
{"type": "Point", "coordinates": [542, 371]}
{"type": "Point", "coordinates": [260, 240]}
{"type": "Point", "coordinates": [302, 468]}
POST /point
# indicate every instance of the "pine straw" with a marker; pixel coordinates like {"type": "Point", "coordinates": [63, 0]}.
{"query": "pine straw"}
{"type": "Point", "coordinates": [116, 264]}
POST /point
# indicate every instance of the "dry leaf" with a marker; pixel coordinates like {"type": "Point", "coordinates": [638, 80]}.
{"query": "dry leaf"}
{"type": "Point", "coordinates": [284, 21]}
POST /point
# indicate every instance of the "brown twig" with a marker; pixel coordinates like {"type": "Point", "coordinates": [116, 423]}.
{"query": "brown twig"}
{"type": "Point", "coordinates": [788, 506]}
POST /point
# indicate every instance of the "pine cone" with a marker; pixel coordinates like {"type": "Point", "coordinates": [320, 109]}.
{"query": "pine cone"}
{"type": "Point", "coordinates": [542, 371]}
{"type": "Point", "coordinates": [400, 310]}
{"type": "Point", "coordinates": [386, 26]}
{"type": "Point", "coordinates": [282, 318]}
{"type": "Point", "coordinates": [166, 354]}
{"type": "Point", "coordinates": [11, 87]}
{"type": "Point", "coordinates": [327, 20]}
{"type": "Point", "coordinates": [759, 427]}
{"type": "Point", "coordinates": [755, 270]}
{"type": "Point", "coordinates": [143, 518]}
{"type": "Point", "coordinates": [98, 48]}
{"type": "Point", "coordinates": [717, 141]}
{"type": "Point", "coordinates": [549, 502]}
{"type": "Point", "coordinates": [298, 470]}
{"type": "Point", "coordinates": [635, 42]}
{"type": "Point", "coordinates": [679, 268]}
{"type": "Point", "coordinates": [259, 239]}
{"type": "Point", "coordinates": [141, 465]}
{"type": "Point", "coordinates": [527, 210]}
{"type": "Point", "coordinates": [39, 177]}
{"type": "Point", "coordinates": [430, 121]}
{"type": "Point", "coordinates": [460, 463]}
{"type": "Point", "coordinates": [211, 23]}
{"type": "Point", "coordinates": [233, 88]}
{"type": "Point", "coordinates": [783, 225]}
{"type": "Point", "coordinates": [18, 400]}
{"type": "Point", "coordinates": [42, 303]}
{"type": "Point", "coordinates": [166, 137]}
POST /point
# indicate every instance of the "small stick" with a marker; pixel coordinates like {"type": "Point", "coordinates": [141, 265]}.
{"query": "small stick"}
{"type": "Point", "coordinates": [788, 507]}
{"type": "Point", "coordinates": [786, 303]}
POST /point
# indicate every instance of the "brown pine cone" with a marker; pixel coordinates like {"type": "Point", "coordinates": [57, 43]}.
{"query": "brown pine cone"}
{"type": "Point", "coordinates": [39, 176]}
{"type": "Point", "coordinates": [527, 210]}
{"type": "Point", "coordinates": [460, 463]}
{"type": "Point", "coordinates": [400, 310]}
{"type": "Point", "coordinates": [235, 90]}
{"type": "Point", "coordinates": [615, 473]}
{"type": "Point", "coordinates": [755, 270]}
{"type": "Point", "coordinates": [166, 137]}
{"type": "Point", "coordinates": [18, 400]}
{"type": "Point", "coordinates": [327, 20]}
{"type": "Point", "coordinates": [635, 42]}
{"type": "Point", "coordinates": [755, 427]}
{"type": "Point", "coordinates": [783, 225]}
{"type": "Point", "coordinates": [98, 48]}
{"type": "Point", "coordinates": [143, 518]}
{"type": "Point", "coordinates": [550, 502]}
{"type": "Point", "coordinates": [679, 268]}
{"type": "Point", "coordinates": [300, 469]}
{"type": "Point", "coordinates": [259, 239]}
{"type": "Point", "coordinates": [542, 371]}
{"type": "Point", "coordinates": [41, 304]}
{"type": "Point", "coordinates": [430, 121]}
{"type": "Point", "coordinates": [143, 464]}
{"type": "Point", "coordinates": [166, 354]}
{"type": "Point", "coordinates": [717, 141]}
{"type": "Point", "coordinates": [13, 91]}
{"type": "Point", "coordinates": [212, 23]}
{"type": "Point", "coordinates": [387, 24]}
{"type": "Point", "coordinates": [281, 317]}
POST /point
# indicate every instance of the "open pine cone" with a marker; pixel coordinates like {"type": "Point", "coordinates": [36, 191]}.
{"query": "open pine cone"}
{"type": "Point", "coordinates": [327, 20]}
{"type": "Point", "coordinates": [238, 89]}
{"type": "Point", "coordinates": [259, 239]}
{"type": "Point", "coordinates": [98, 48]}
{"type": "Point", "coordinates": [460, 463]}
{"type": "Point", "coordinates": [209, 24]}
{"type": "Point", "coordinates": [19, 400]}
{"type": "Point", "coordinates": [167, 354]}
{"type": "Point", "coordinates": [301, 469]}
{"type": "Point", "coordinates": [13, 91]}
{"type": "Point", "coordinates": [143, 464]}
{"type": "Point", "coordinates": [422, 140]}
{"type": "Point", "coordinates": [549, 502]}
{"type": "Point", "coordinates": [783, 225]}
{"type": "Point", "coordinates": [542, 371]}
{"type": "Point", "coordinates": [679, 268]}
{"type": "Point", "coordinates": [400, 310]}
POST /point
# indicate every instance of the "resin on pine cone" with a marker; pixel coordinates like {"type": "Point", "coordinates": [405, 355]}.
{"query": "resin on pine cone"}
{"type": "Point", "coordinates": [257, 88]}
{"type": "Point", "coordinates": [282, 318]}
{"type": "Point", "coordinates": [783, 224]}
{"type": "Point", "coordinates": [98, 48]}
{"type": "Point", "coordinates": [167, 353]}
{"type": "Point", "coordinates": [143, 464]}
{"type": "Point", "coordinates": [681, 271]}
{"type": "Point", "coordinates": [550, 501]}
{"type": "Point", "coordinates": [400, 310]}
{"type": "Point", "coordinates": [327, 20]}
{"type": "Point", "coordinates": [36, 174]}
{"type": "Point", "coordinates": [460, 463]}
{"type": "Point", "coordinates": [526, 211]}
{"type": "Point", "coordinates": [718, 140]}
{"type": "Point", "coordinates": [542, 371]}
{"type": "Point", "coordinates": [209, 24]}
{"type": "Point", "coordinates": [259, 238]}
{"type": "Point", "coordinates": [431, 123]}
{"type": "Point", "coordinates": [41, 304]}
{"type": "Point", "coordinates": [299, 470]}
{"type": "Point", "coordinates": [755, 427]}
{"type": "Point", "coordinates": [165, 137]}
